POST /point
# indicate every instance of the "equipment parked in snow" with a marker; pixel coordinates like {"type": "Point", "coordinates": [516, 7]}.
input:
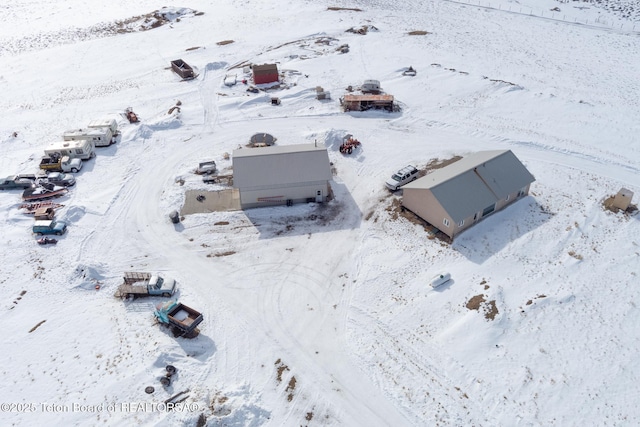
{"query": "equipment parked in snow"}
{"type": "Point", "coordinates": [181, 319]}
{"type": "Point", "coordinates": [145, 284]}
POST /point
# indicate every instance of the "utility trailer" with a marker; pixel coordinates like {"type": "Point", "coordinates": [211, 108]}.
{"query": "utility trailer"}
{"type": "Point", "coordinates": [183, 69]}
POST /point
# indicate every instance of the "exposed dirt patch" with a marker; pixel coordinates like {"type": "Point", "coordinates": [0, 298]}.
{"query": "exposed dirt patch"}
{"type": "Point", "coordinates": [37, 326]}
{"type": "Point", "coordinates": [148, 21]}
{"type": "Point", "coordinates": [418, 33]}
{"type": "Point", "coordinates": [475, 302]}
{"type": "Point", "coordinates": [479, 303]}
{"type": "Point", "coordinates": [353, 9]}
{"type": "Point", "coordinates": [224, 42]}
{"type": "Point", "coordinates": [280, 369]}
{"type": "Point", "coordinates": [491, 310]}
{"type": "Point", "coordinates": [219, 254]}
{"type": "Point", "coordinates": [291, 388]}
{"type": "Point", "coordinates": [221, 223]}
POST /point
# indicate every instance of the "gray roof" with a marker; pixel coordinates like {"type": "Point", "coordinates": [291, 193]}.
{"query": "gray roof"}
{"type": "Point", "coordinates": [280, 165]}
{"type": "Point", "coordinates": [475, 182]}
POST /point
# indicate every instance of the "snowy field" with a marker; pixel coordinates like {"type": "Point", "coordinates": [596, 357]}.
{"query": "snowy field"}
{"type": "Point", "coordinates": [322, 315]}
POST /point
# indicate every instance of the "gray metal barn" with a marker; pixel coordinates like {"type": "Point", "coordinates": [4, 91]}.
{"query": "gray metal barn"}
{"type": "Point", "coordinates": [459, 195]}
{"type": "Point", "coordinates": [278, 175]}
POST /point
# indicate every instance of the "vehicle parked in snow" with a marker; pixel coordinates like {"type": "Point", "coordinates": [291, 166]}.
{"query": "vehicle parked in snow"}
{"type": "Point", "coordinates": [206, 168]}
{"type": "Point", "coordinates": [43, 192]}
{"type": "Point", "coordinates": [59, 179]}
{"type": "Point", "coordinates": [56, 163]}
{"type": "Point", "coordinates": [181, 319]}
{"type": "Point", "coordinates": [49, 226]}
{"type": "Point", "coordinates": [13, 182]}
{"type": "Point", "coordinates": [145, 284]}
{"type": "Point", "coordinates": [402, 177]}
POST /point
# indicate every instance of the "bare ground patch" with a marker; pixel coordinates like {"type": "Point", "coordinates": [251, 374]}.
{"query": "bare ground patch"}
{"type": "Point", "coordinates": [353, 9]}
{"type": "Point", "coordinates": [479, 303]}
{"type": "Point", "coordinates": [418, 33]}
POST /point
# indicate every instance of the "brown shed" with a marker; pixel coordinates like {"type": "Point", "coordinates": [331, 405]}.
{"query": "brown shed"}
{"type": "Point", "coordinates": [266, 73]}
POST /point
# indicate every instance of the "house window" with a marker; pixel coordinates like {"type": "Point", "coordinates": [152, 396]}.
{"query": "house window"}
{"type": "Point", "coordinates": [461, 223]}
{"type": "Point", "coordinates": [488, 210]}
{"type": "Point", "coordinates": [475, 216]}
{"type": "Point", "coordinates": [521, 193]}
{"type": "Point", "coordinates": [445, 222]}
{"type": "Point", "coordinates": [507, 198]}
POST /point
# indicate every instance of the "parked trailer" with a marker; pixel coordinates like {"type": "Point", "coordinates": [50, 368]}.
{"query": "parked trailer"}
{"type": "Point", "coordinates": [80, 149]}
{"type": "Point", "coordinates": [183, 320]}
{"type": "Point", "coordinates": [99, 136]}
{"type": "Point", "coordinates": [182, 69]}
{"type": "Point", "coordinates": [106, 123]}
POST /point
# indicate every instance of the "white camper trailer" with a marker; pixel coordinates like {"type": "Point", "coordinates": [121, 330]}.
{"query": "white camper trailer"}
{"type": "Point", "coordinates": [101, 137]}
{"type": "Point", "coordinates": [81, 149]}
{"type": "Point", "coordinates": [107, 123]}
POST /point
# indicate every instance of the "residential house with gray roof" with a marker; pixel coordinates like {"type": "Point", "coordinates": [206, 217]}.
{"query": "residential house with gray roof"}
{"type": "Point", "coordinates": [459, 195]}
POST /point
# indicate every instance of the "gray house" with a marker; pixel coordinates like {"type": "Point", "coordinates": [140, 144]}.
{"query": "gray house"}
{"type": "Point", "coordinates": [459, 195]}
{"type": "Point", "coordinates": [278, 175]}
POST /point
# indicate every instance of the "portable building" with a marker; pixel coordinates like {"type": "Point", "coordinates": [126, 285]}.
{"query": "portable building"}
{"type": "Point", "coordinates": [459, 195]}
{"type": "Point", "coordinates": [265, 73]}
{"type": "Point", "coordinates": [278, 175]}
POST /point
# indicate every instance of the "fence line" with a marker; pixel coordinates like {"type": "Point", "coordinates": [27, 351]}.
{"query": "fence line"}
{"type": "Point", "coordinates": [598, 23]}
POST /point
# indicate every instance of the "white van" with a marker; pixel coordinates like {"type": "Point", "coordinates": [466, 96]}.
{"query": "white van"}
{"type": "Point", "coordinates": [101, 137]}
{"type": "Point", "coordinates": [80, 149]}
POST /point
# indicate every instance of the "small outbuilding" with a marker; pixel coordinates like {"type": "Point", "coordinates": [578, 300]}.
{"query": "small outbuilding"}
{"type": "Point", "coordinates": [279, 175]}
{"type": "Point", "coordinates": [459, 195]}
{"type": "Point", "coordinates": [265, 73]}
{"type": "Point", "coordinates": [351, 102]}
{"type": "Point", "coordinates": [622, 200]}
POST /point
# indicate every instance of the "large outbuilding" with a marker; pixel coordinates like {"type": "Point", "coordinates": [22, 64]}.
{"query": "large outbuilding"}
{"type": "Point", "coordinates": [459, 195]}
{"type": "Point", "coordinates": [278, 175]}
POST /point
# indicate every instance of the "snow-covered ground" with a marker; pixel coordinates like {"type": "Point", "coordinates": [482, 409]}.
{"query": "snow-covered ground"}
{"type": "Point", "coordinates": [323, 314]}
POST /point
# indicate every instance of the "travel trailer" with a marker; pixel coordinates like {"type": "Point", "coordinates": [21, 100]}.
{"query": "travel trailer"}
{"type": "Point", "coordinates": [99, 136]}
{"type": "Point", "coordinates": [81, 149]}
{"type": "Point", "coordinates": [110, 124]}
